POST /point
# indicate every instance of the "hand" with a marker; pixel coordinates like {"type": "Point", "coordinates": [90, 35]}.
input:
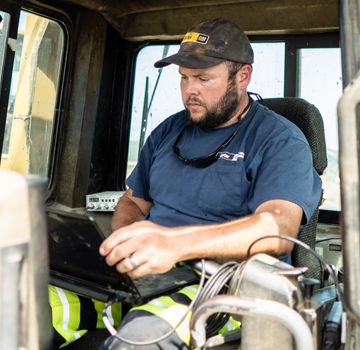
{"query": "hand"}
{"type": "Point", "coordinates": [140, 249]}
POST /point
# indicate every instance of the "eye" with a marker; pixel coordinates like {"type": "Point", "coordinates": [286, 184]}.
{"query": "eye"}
{"type": "Point", "coordinates": [203, 79]}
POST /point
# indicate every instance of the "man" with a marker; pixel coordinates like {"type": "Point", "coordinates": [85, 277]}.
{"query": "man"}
{"type": "Point", "coordinates": [211, 179]}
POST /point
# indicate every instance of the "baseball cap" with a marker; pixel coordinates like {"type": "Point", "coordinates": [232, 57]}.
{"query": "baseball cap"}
{"type": "Point", "coordinates": [210, 43]}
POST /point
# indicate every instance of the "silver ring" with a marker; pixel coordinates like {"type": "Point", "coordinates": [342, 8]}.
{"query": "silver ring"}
{"type": "Point", "coordinates": [132, 261]}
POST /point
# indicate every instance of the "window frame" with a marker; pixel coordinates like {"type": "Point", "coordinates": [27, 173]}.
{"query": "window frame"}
{"type": "Point", "coordinates": [293, 43]}
{"type": "Point", "coordinates": [66, 23]}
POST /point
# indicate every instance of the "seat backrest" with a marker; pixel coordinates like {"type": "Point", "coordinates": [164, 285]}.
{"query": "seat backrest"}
{"type": "Point", "coordinates": [308, 118]}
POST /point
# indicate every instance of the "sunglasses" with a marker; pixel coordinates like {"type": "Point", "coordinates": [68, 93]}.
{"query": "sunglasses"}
{"type": "Point", "coordinates": [205, 161]}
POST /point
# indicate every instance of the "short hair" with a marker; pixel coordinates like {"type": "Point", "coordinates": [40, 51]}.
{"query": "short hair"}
{"type": "Point", "coordinates": [233, 68]}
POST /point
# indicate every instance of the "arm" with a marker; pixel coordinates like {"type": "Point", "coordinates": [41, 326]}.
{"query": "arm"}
{"type": "Point", "coordinates": [129, 209]}
{"type": "Point", "coordinates": [231, 240]}
{"type": "Point", "coordinates": [156, 248]}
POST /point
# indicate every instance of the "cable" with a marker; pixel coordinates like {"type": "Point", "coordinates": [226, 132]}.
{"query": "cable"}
{"type": "Point", "coordinates": [256, 95]}
{"type": "Point", "coordinates": [328, 267]}
{"type": "Point", "coordinates": [328, 239]}
{"type": "Point", "coordinates": [218, 283]}
{"type": "Point", "coordinates": [310, 250]}
{"type": "Point", "coordinates": [114, 332]}
{"type": "Point", "coordinates": [322, 264]}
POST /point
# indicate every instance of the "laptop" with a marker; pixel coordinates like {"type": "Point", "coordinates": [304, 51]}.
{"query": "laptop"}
{"type": "Point", "coordinates": [76, 265]}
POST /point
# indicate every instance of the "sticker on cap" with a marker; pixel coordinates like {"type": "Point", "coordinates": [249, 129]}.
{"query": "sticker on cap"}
{"type": "Point", "coordinates": [195, 38]}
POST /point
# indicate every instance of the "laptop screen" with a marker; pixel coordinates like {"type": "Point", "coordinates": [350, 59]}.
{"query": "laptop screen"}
{"type": "Point", "coordinates": [74, 241]}
{"type": "Point", "coordinates": [75, 263]}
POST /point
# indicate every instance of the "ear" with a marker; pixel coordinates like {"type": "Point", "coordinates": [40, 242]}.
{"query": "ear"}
{"type": "Point", "coordinates": [243, 76]}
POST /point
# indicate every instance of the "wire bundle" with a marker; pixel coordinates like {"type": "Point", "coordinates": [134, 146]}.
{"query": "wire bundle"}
{"type": "Point", "coordinates": [219, 283]}
{"type": "Point", "coordinates": [112, 330]}
{"type": "Point", "coordinates": [226, 280]}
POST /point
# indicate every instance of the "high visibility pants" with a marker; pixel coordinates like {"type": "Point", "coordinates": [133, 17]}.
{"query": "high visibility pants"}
{"type": "Point", "coordinates": [75, 315]}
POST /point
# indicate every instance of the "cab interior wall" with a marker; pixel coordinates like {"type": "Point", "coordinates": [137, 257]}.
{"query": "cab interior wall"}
{"type": "Point", "coordinates": [138, 20]}
{"type": "Point", "coordinates": [106, 36]}
{"type": "Point", "coordinates": [94, 132]}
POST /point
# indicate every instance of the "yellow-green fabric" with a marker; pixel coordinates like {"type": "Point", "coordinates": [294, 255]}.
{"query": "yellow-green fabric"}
{"type": "Point", "coordinates": [114, 313]}
{"type": "Point", "coordinates": [66, 313]}
{"type": "Point", "coordinates": [65, 307]}
{"type": "Point", "coordinates": [172, 312]}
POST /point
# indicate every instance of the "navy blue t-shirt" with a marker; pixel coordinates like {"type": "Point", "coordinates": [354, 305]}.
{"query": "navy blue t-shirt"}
{"type": "Point", "coordinates": [269, 158]}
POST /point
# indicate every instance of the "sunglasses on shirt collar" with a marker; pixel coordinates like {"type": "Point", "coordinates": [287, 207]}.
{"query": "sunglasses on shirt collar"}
{"type": "Point", "coordinates": [205, 161]}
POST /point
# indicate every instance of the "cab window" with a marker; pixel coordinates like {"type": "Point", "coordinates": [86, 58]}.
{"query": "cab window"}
{"type": "Point", "coordinates": [316, 78]}
{"type": "Point", "coordinates": [320, 83]}
{"type": "Point", "coordinates": [33, 94]}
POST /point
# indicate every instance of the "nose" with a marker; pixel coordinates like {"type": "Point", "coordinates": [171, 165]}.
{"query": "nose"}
{"type": "Point", "coordinates": [190, 88]}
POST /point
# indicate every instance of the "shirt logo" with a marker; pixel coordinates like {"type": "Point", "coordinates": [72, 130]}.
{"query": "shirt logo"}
{"type": "Point", "coordinates": [232, 157]}
{"type": "Point", "coordinates": [195, 38]}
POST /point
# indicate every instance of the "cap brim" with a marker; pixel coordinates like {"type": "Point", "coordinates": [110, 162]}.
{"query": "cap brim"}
{"type": "Point", "coordinates": [189, 60]}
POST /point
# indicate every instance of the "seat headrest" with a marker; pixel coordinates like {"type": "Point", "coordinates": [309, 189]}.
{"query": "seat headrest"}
{"type": "Point", "coordinates": [306, 117]}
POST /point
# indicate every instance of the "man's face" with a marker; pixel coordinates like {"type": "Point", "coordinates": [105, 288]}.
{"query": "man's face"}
{"type": "Point", "coordinates": [209, 96]}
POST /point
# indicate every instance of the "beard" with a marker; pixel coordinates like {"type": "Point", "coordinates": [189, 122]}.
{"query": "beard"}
{"type": "Point", "coordinates": [220, 113]}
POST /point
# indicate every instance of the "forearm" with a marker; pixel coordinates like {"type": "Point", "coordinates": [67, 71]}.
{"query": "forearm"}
{"type": "Point", "coordinates": [125, 214]}
{"type": "Point", "coordinates": [157, 248]}
{"type": "Point", "coordinates": [129, 210]}
{"type": "Point", "coordinates": [231, 240]}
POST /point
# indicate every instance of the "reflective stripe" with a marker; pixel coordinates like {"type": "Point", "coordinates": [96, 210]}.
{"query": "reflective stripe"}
{"type": "Point", "coordinates": [156, 305]}
{"type": "Point", "coordinates": [159, 303]}
{"type": "Point", "coordinates": [171, 312]}
{"type": "Point", "coordinates": [148, 307]}
{"type": "Point", "coordinates": [172, 315]}
{"type": "Point", "coordinates": [65, 314]}
{"type": "Point", "coordinates": [190, 291]}
{"type": "Point", "coordinates": [66, 311]}
{"type": "Point", "coordinates": [109, 315]}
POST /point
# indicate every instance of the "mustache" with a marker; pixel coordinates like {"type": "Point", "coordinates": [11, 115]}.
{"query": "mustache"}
{"type": "Point", "coordinates": [193, 99]}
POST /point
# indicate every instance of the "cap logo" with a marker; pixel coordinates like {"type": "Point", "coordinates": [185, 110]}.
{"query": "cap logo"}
{"type": "Point", "coordinates": [195, 38]}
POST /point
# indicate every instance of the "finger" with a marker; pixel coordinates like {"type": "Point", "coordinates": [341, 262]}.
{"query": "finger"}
{"type": "Point", "coordinates": [129, 264]}
{"type": "Point", "coordinates": [147, 268]}
{"type": "Point", "coordinates": [116, 238]}
{"type": "Point", "coordinates": [120, 252]}
{"type": "Point", "coordinates": [140, 271]}
{"type": "Point", "coordinates": [132, 261]}
{"type": "Point", "coordinates": [125, 233]}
